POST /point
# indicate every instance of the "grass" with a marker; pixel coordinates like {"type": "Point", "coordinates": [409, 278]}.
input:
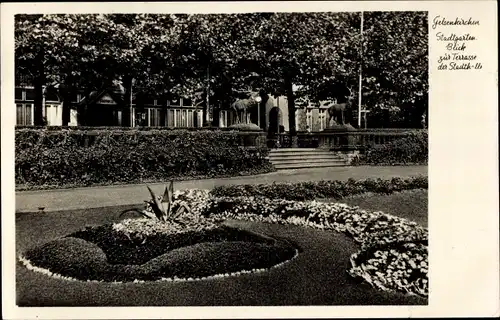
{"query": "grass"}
{"type": "Point", "coordinates": [316, 277]}
{"type": "Point", "coordinates": [411, 205]}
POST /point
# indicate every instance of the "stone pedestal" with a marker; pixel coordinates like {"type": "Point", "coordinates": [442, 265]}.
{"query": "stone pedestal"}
{"type": "Point", "coordinates": [347, 138]}
{"type": "Point", "coordinates": [250, 134]}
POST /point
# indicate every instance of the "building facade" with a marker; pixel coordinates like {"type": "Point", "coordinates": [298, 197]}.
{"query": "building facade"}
{"type": "Point", "coordinates": [108, 108]}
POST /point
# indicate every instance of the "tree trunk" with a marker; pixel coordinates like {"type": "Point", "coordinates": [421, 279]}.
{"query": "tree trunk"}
{"type": "Point", "coordinates": [264, 123]}
{"type": "Point", "coordinates": [291, 112]}
{"type": "Point", "coordinates": [39, 82]}
{"type": "Point", "coordinates": [204, 113]}
{"type": "Point", "coordinates": [127, 105]}
{"type": "Point", "coordinates": [66, 105]}
{"type": "Point", "coordinates": [38, 107]}
{"type": "Point", "coordinates": [216, 115]}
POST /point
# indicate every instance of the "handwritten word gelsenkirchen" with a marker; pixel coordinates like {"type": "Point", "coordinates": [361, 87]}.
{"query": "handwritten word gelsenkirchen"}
{"type": "Point", "coordinates": [441, 21]}
{"type": "Point", "coordinates": [453, 37]}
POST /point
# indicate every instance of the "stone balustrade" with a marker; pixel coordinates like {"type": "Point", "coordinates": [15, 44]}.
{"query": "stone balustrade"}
{"type": "Point", "coordinates": [341, 140]}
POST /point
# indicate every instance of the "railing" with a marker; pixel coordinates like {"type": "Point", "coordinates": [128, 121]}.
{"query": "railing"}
{"type": "Point", "coordinates": [340, 140]}
{"type": "Point", "coordinates": [251, 138]}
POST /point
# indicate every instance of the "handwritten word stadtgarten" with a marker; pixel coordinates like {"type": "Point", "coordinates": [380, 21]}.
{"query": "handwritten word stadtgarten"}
{"type": "Point", "coordinates": [453, 37]}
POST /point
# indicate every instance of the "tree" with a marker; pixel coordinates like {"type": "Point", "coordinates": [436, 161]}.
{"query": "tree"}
{"type": "Point", "coordinates": [81, 51]}
{"type": "Point", "coordinates": [214, 58]}
{"type": "Point", "coordinates": [395, 65]}
{"type": "Point", "coordinates": [71, 61]}
{"type": "Point", "coordinates": [220, 45]}
{"type": "Point", "coordinates": [307, 51]}
{"type": "Point", "coordinates": [30, 43]}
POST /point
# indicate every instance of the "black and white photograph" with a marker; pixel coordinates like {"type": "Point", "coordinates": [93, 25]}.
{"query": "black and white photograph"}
{"type": "Point", "coordinates": [254, 158]}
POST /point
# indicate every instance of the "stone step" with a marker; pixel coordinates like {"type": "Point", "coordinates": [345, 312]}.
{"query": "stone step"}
{"type": "Point", "coordinates": [295, 149]}
{"type": "Point", "coordinates": [329, 156]}
{"type": "Point", "coordinates": [308, 165]}
{"type": "Point", "coordinates": [299, 153]}
{"type": "Point", "coordinates": [295, 161]}
{"type": "Point", "coordinates": [298, 158]}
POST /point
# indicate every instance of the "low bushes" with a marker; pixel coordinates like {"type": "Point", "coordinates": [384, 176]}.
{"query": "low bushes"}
{"type": "Point", "coordinates": [321, 189]}
{"type": "Point", "coordinates": [100, 254]}
{"type": "Point", "coordinates": [122, 249]}
{"type": "Point", "coordinates": [66, 158]}
{"type": "Point", "coordinates": [412, 149]}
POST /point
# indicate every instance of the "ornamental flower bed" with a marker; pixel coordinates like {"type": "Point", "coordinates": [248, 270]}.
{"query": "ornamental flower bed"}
{"type": "Point", "coordinates": [393, 251]}
{"type": "Point", "coordinates": [185, 248]}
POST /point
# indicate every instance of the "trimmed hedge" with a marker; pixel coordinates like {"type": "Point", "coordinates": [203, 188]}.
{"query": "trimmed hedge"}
{"type": "Point", "coordinates": [210, 253]}
{"type": "Point", "coordinates": [119, 129]}
{"type": "Point", "coordinates": [75, 158]}
{"type": "Point", "coordinates": [121, 249]}
{"type": "Point", "coordinates": [321, 189]}
{"type": "Point", "coordinates": [412, 149]}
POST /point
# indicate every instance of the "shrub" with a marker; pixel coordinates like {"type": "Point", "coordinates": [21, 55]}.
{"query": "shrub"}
{"type": "Point", "coordinates": [321, 189]}
{"type": "Point", "coordinates": [80, 158]}
{"type": "Point", "coordinates": [412, 149]}
{"type": "Point", "coordinates": [104, 255]}
{"type": "Point", "coordinates": [121, 248]}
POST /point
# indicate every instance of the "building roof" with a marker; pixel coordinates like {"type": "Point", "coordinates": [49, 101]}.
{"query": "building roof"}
{"type": "Point", "coordinates": [95, 96]}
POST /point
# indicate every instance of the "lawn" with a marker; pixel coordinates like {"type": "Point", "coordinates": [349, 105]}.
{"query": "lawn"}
{"type": "Point", "coordinates": [411, 205]}
{"type": "Point", "coordinates": [316, 277]}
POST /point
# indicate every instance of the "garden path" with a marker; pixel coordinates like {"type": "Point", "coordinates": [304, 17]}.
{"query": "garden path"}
{"type": "Point", "coordinates": [104, 196]}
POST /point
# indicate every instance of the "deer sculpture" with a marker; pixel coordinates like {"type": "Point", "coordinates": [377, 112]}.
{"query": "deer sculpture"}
{"type": "Point", "coordinates": [337, 110]}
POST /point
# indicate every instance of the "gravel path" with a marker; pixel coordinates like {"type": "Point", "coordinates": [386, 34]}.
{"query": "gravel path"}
{"type": "Point", "coordinates": [96, 197]}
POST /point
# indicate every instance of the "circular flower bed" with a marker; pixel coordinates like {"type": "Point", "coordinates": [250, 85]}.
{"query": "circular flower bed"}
{"type": "Point", "coordinates": [393, 254]}
{"type": "Point", "coordinates": [107, 253]}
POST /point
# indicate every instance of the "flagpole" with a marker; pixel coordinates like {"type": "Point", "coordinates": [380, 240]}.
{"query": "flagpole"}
{"type": "Point", "coordinates": [360, 73]}
{"type": "Point", "coordinates": [207, 115]}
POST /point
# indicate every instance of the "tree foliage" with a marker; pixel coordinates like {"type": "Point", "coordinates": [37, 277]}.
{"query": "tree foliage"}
{"type": "Point", "coordinates": [395, 65]}
{"type": "Point", "coordinates": [217, 58]}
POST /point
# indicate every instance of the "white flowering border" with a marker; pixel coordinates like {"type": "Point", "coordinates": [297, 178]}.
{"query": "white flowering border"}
{"type": "Point", "coordinates": [367, 228]}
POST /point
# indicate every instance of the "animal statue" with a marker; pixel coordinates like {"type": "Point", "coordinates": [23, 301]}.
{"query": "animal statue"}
{"type": "Point", "coordinates": [337, 110]}
{"type": "Point", "coordinates": [423, 122]}
{"type": "Point", "coordinates": [240, 107]}
{"type": "Point", "coordinates": [246, 99]}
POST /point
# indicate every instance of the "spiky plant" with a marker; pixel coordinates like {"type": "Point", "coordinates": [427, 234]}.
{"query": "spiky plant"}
{"type": "Point", "coordinates": [162, 207]}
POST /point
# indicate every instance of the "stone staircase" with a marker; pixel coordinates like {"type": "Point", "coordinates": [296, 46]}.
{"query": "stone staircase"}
{"type": "Point", "coordinates": [298, 158]}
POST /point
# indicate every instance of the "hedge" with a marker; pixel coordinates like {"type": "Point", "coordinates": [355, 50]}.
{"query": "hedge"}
{"type": "Point", "coordinates": [75, 158]}
{"type": "Point", "coordinates": [119, 129]}
{"type": "Point", "coordinates": [321, 189]}
{"type": "Point", "coordinates": [208, 253]}
{"type": "Point", "coordinates": [411, 149]}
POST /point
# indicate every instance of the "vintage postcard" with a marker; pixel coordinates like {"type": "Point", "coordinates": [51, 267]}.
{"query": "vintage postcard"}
{"type": "Point", "coordinates": [250, 159]}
